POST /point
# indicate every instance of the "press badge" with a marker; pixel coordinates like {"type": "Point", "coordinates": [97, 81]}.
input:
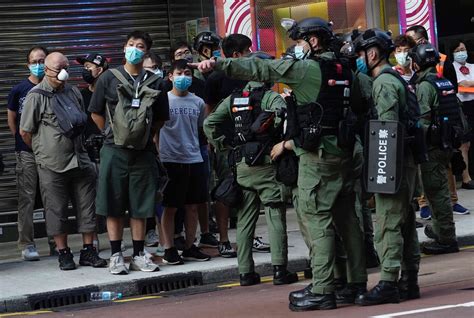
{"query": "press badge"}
{"type": "Point", "coordinates": [241, 101]}
{"type": "Point", "coordinates": [135, 103]}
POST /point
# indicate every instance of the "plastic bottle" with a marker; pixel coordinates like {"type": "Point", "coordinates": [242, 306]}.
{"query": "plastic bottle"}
{"type": "Point", "coordinates": [105, 296]}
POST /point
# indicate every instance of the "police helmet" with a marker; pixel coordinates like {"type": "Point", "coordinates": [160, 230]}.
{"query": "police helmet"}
{"type": "Point", "coordinates": [348, 48]}
{"type": "Point", "coordinates": [425, 55]}
{"type": "Point", "coordinates": [261, 55]}
{"type": "Point", "coordinates": [206, 38]}
{"type": "Point", "coordinates": [375, 37]}
{"type": "Point", "coordinates": [320, 27]}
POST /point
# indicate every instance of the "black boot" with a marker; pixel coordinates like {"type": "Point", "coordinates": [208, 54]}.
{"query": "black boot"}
{"type": "Point", "coordinates": [282, 276]}
{"type": "Point", "coordinates": [371, 256]}
{"type": "Point", "coordinates": [408, 285]}
{"type": "Point", "coordinates": [430, 233]}
{"type": "Point", "coordinates": [314, 302]}
{"type": "Point", "coordinates": [300, 293]}
{"type": "Point", "coordinates": [249, 279]}
{"type": "Point", "coordinates": [350, 293]}
{"type": "Point", "coordinates": [436, 248]}
{"type": "Point", "coordinates": [383, 293]}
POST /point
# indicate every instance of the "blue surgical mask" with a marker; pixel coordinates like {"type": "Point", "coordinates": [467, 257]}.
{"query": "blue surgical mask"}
{"type": "Point", "coordinates": [460, 56]}
{"type": "Point", "coordinates": [133, 55]}
{"type": "Point", "coordinates": [182, 82]}
{"type": "Point", "coordinates": [216, 53]}
{"type": "Point", "coordinates": [299, 52]}
{"type": "Point", "coordinates": [361, 65]}
{"type": "Point", "coordinates": [37, 70]}
{"type": "Point", "coordinates": [189, 58]}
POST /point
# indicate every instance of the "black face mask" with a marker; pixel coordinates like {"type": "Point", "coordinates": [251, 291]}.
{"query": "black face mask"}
{"type": "Point", "coordinates": [87, 76]}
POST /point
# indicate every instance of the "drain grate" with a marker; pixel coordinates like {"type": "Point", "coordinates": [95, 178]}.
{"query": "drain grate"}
{"type": "Point", "coordinates": [61, 298]}
{"type": "Point", "coordinates": [169, 283]}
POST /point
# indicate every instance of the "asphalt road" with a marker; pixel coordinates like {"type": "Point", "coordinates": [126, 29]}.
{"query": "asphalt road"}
{"type": "Point", "coordinates": [447, 286]}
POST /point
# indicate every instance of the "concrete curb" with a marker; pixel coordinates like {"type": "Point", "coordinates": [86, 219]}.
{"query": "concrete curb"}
{"type": "Point", "coordinates": [136, 287]}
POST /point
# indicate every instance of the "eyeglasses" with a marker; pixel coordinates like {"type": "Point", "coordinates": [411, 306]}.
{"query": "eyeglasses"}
{"type": "Point", "coordinates": [182, 53]}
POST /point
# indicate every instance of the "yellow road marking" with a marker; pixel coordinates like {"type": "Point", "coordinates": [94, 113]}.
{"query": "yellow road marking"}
{"type": "Point", "coordinates": [136, 299]}
{"type": "Point", "coordinates": [26, 313]}
{"type": "Point", "coordinates": [266, 279]}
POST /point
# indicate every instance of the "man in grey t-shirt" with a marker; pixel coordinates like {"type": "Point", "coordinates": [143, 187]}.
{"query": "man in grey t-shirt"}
{"type": "Point", "coordinates": [181, 155]}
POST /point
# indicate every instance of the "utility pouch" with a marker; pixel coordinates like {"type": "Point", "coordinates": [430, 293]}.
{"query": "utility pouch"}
{"type": "Point", "coordinates": [287, 169]}
{"type": "Point", "coordinates": [311, 138]}
{"type": "Point", "coordinates": [346, 132]}
{"type": "Point", "coordinates": [433, 135]}
{"type": "Point", "coordinates": [253, 153]}
{"type": "Point", "coordinates": [445, 135]}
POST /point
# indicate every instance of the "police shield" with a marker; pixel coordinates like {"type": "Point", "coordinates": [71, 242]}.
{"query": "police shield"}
{"type": "Point", "coordinates": [384, 154]}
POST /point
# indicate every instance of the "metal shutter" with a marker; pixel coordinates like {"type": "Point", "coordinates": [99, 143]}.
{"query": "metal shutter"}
{"type": "Point", "coordinates": [74, 28]}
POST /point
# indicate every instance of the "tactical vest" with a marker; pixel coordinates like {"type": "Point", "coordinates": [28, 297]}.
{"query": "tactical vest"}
{"type": "Point", "coordinates": [448, 103]}
{"type": "Point", "coordinates": [325, 115]}
{"type": "Point", "coordinates": [446, 128]}
{"type": "Point", "coordinates": [245, 109]}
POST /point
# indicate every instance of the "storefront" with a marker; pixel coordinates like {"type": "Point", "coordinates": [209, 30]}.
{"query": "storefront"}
{"type": "Point", "coordinates": [260, 19]}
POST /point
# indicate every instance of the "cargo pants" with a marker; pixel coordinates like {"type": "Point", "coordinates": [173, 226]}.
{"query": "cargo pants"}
{"type": "Point", "coordinates": [395, 231]}
{"type": "Point", "coordinates": [434, 175]}
{"type": "Point", "coordinates": [260, 186]}
{"type": "Point", "coordinates": [326, 205]}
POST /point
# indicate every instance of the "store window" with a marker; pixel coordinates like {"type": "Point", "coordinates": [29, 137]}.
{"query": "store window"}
{"type": "Point", "coordinates": [272, 38]}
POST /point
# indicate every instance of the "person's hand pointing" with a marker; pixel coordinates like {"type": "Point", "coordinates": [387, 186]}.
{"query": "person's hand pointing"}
{"type": "Point", "coordinates": [204, 66]}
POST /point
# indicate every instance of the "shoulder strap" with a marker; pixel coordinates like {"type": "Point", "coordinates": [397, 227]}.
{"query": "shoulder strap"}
{"type": "Point", "coordinates": [120, 76]}
{"type": "Point", "coordinates": [150, 80]}
{"type": "Point", "coordinates": [394, 73]}
{"type": "Point", "coordinates": [42, 92]}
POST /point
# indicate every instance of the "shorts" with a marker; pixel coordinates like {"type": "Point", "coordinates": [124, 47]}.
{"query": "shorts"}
{"type": "Point", "coordinates": [186, 184]}
{"type": "Point", "coordinates": [127, 182]}
{"type": "Point", "coordinates": [57, 189]}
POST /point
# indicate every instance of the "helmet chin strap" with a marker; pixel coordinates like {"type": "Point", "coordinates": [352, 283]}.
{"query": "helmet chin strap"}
{"type": "Point", "coordinates": [370, 69]}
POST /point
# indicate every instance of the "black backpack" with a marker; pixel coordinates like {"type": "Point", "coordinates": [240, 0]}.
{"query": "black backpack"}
{"type": "Point", "coordinates": [71, 119]}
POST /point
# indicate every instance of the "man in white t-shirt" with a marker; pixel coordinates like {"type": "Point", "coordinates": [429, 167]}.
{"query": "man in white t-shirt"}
{"type": "Point", "coordinates": [180, 153]}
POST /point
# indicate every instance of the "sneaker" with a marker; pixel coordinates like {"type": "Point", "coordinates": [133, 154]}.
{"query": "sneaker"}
{"type": "Point", "coordinates": [172, 257]}
{"type": "Point", "coordinates": [117, 265]}
{"type": "Point", "coordinates": [459, 209]}
{"type": "Point", "coordinates": [194, 254]}
{"type": "Point", "coordinates": [226, 250]}
{"type": "Point", "coordinates": [144, 263]}
{"type": "Point", "coordinates": [66, 260]}
{"type": "Point", "coordinates": [160, 251]}
{"type": "Point", "coordinates": [208, 240]}
{"type": "Point", "coordinates": [468, 185]}
{"type": "Point", "coordinates": [425, 213]}
{"type": "Point", "coordinates": [179, 243]}
{"type": "Point", "coordinates": [30, 253]}
{"type": "Point", "coordinates": [90, 257]}
{"type": "Point", "coordinates": [259, 246]}
{"type": "Point", "coordinates": [151, 238]}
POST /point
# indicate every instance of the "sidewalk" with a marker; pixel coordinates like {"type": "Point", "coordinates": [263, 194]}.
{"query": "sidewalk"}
{"type": "Point", "coordinates": [34, 285]}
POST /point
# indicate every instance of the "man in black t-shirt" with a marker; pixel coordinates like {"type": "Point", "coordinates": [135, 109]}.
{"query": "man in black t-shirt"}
{"type": "Point", "coordinates": [94, 66]}
{"type": "Point", "coordinates": [128, 176]}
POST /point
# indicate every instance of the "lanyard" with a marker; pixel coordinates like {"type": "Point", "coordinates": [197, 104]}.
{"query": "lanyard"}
{"type": "Point", "coordinates": [136, 82]}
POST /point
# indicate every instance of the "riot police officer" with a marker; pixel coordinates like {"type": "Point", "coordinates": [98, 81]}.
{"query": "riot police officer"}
{"type": "Point", "coordinates": [396, 237]}
{"type": "Point", "coordinates": [254, 113]}
{"type": "Point", "coordinates": [440, 115]}
{"type": "Point", "coordinates": [322, 87]}
{"type": "Point", "coordinates": [207, 45]}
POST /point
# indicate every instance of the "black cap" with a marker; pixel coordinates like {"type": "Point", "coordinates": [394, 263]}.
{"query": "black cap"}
{"type": "Point", "coordinates": [94, 58]}
{"type": "Point", "coordinates": [314, 25]}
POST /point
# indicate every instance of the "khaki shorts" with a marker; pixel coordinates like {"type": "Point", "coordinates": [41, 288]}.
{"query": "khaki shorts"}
{"type": "Point", "coordinates": [127, 182]}
{"type": "Point", "coordinates": [57, 189]}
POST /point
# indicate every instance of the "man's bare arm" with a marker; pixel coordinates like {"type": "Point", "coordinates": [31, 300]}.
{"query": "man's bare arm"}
{"type": "Point", "coordinates": [12, 121]}
{"type": "Point", "coordinates": [99, 120]}
{"type": "Point", "coordinates": [27, 137]}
